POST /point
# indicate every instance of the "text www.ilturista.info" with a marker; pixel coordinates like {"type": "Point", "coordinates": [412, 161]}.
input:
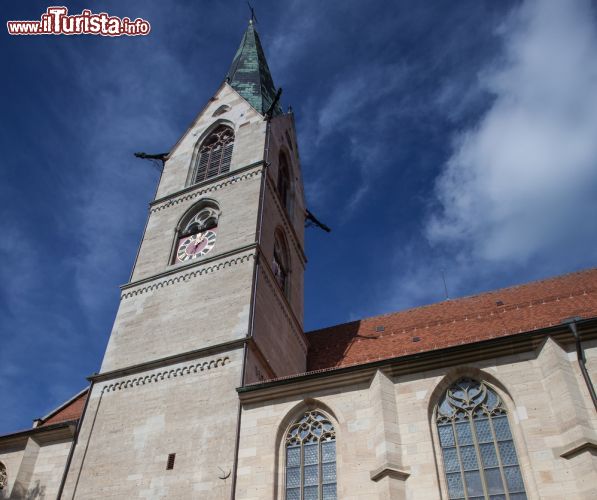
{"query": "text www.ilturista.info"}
{"type": "Point", "coordinates": [56, 21]}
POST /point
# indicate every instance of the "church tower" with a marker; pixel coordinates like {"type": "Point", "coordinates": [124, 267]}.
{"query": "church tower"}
{"type": "Point", "coordinates": [215, 301]}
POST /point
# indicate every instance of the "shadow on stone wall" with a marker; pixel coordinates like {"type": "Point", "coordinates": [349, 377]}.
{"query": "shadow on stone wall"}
{"type": "Point", "coordinates": [38, 492]}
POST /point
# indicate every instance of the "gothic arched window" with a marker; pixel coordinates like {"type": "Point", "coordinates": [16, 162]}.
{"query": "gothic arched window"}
{"type": "Point", "coordinates": [311, 458]}
{"type": "Point", "coordinates": [284, 188]}
{"type": "Point", "coordinates": [197, 233]}
{"type": "Point", "coordinates": [215, 154]}
{"type": "Point", "coordinates": [3, 477]}
{"type": "Point", "coordinates": [478, 451]}
{"type": "Point", "coordinates": [280, 262]}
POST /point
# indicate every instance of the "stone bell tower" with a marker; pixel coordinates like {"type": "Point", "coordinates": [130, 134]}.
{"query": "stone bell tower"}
{"type": "Point", "coordinates": [215, 301]}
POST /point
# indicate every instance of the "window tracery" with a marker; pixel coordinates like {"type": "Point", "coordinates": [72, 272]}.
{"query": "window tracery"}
{"type": "Point", "coordinates": [3, 477]}
{"type": "Point", "coordinates": [205, 219]}
{"type": "Point", "coordinates": [215, 154]}
{"type": "Point", "coordinates": [311, 458]}
{"type": "Point", "coordinates": [479, 456]}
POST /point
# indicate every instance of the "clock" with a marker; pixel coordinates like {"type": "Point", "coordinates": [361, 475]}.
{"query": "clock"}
{"type": "Point", "coordinates": [195, 245]}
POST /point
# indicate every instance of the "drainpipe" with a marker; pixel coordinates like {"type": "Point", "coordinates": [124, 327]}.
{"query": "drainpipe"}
{"type": "Point", "coordinates": [580, 354]}
{"type": "Point", "coordinates": [71, 452]}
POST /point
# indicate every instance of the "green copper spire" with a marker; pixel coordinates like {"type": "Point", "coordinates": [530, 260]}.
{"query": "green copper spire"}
{"type": "Point", "coordinates": [249, 74]}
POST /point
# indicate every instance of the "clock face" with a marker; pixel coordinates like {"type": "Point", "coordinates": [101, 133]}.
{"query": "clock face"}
{"type": "Point", "coordinates": [195, 245]}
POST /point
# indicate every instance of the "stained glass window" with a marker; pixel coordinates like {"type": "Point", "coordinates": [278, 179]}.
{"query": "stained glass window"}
{"type": "Point", "coordinates": [478, 452]}
{"type": "Point", "coordinates": [311, 458]}
{"type": "Point", "coordinates": [215, 154]}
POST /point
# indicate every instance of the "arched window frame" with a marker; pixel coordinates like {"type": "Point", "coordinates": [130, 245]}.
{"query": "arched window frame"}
{"type": "Point", "coordinates": [295, 437]}
{"type": "Point", "coordinates": [3, 477]}
{"type": "Point", "coordinates": [207, 163]}
{"type": "Point", "coordinates": [202, 216]}
{"type": "Point", "coordinates": [284, 184]}
{"type": "Point", "coordinates": [504, 411]}
{"type": "Point", "coordinates": [281, 261]}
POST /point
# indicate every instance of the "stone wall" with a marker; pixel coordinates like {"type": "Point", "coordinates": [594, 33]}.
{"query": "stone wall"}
{"type": "Point", "coordinates": [133, 423]}
{"type": "Point", "coordinates": [197, 307]}
{"type": "Point", "coordinates": [249, 128]}
{"type": "Point", "coordinates": [395, 430]}
{"type": "Point", "coordinates": [238, 200]}
{"type": "Point", "coordinates": [11, 456]}
{"type": "Point", "coordinates": [35, 465]}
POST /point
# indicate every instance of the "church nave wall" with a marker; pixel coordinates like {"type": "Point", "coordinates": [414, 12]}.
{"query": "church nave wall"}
{"type": "Point", "coordinates": [370, 436]}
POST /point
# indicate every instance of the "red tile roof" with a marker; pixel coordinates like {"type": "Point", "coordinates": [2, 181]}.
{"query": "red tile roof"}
{"type": "Point", "coordinates": [71, 410]}
{"type": "Point", "coordinates": [498, 313]}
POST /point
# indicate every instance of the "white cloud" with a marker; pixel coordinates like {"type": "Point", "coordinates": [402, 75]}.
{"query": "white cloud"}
{"type": "Point", "coordinates": [373, 88]}
{"type": "Point", "coordinates": [523, 180]}
{"type": "Point", "coordinates": [360, 105]}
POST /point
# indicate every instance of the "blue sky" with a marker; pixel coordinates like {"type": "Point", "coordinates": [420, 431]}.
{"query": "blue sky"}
{"type": "Point", "coordinates": [439, 136]}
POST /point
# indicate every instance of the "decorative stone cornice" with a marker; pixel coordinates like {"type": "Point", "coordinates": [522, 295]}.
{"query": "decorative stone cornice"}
{"type": "Point", "coordinates": [175, 359]}
{"type": "Point", "coordinates": [198, 190]}
{"type": "Point", "coordinates": [185, 274]}
{"type": "Point", "coordinates": [43, 434]}
{"type": "Point", "coordinates": [411, 363]}
{"type": "Point", "coordinates": [180, 371]}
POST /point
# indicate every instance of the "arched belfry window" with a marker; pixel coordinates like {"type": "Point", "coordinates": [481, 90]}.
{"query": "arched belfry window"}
{"type": "Point", "coordinates": [479, 456]}
{"type": "Point", "coordinates": [197, 233]}
{"type": "Point", "coordinates": [280, 261]}
{"type": "Point", "coordinates": [215, 154]}
{"type": "Point", "coordinates": [284, 187]}
{"type": "Point", "coordinates": [311, 458]}
{"type": "Point", "coordinates": [3, 477]}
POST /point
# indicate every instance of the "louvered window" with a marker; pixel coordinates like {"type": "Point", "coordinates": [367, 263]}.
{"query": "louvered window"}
{"type": "Point", "coordinates": [284, 182]}
{"type": "Point", "coordinates": [215, 154]}
{"type": "Point", "coordinates": [480, 461]}
{"type": "Point", "coordinates": [280, 262]}
{"type": "Point", "coordinates": [311, 459]}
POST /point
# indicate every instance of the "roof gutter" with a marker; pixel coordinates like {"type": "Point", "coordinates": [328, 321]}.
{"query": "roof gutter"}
{"type": "Point", "coordinates": [582, 360]}
{"type": "Point", "coordinates": [39, 430]}
{"type": "Point", "coordinates": [504, 341]}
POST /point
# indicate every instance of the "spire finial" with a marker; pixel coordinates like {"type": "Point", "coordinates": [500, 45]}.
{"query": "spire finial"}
{"type": "Point", "coordinates": [253, 19]}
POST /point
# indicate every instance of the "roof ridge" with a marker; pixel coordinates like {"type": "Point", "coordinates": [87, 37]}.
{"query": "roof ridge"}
{"type": "Point", "coordinates": [487, 293]}
{"type": "Point", "coordinates": [498, 310]}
